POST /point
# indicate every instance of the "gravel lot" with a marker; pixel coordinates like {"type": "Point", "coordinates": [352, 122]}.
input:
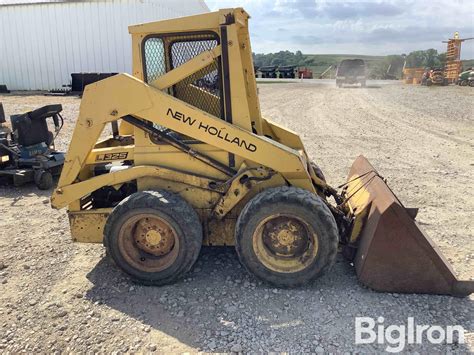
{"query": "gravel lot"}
{"type": "Point", "coordinates": [60, 296]}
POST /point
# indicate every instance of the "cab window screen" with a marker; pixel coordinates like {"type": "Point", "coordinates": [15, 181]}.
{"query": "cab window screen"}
{"type": "Point", "coordinates": [155, 64]}
{"type": "Point", "coordinates": [201, 89]}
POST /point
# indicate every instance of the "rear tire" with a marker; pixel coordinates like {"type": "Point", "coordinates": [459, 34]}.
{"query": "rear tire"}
{"type": "Point", "coordinates": [463, 83]}
{"type": "Point", "coordinates": [286, 236]}
{"type": "Point", "coordinates": [153, 236]}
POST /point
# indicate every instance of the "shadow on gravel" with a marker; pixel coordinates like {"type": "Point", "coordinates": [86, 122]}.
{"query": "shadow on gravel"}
{"type": "Point", "coordinates": [18, 193]}
{"type": "Point", "coordinates": [219, 306]}
{"type": "Point", "coordinates": [218, 296]}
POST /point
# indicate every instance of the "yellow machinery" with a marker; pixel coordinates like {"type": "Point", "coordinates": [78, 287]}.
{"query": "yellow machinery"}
{"type": "Point", "coordinates": [453, 65]}
{"type": "Point", "coordinates": [191, 161]}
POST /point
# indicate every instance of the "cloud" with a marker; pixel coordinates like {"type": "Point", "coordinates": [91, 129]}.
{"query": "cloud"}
{"type": "Point", "coordinates": [356, 10]}
{"type": "Point", "coordinates": [340, 9]}
{"type": "Point", "coordinates": [347, 26]}
{"type": "Point", "coordinates": [411, 34]}
{"type": "Point", "coordinates": [306, 8]}
{"type": "Point", "coordinates": [309, 39]}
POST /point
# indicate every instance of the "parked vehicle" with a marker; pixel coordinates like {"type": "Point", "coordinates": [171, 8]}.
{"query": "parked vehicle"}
{"type": "Point", "coordinates": [351, 71]}
{"type": "Point", "coordinates": [470, 79]}
{"type": "Point", "coordinates": [463, 78]}
{"type": "Point", "coordinates": [434, 76]}
{"type": "Point", "coordinates": [27, 151]}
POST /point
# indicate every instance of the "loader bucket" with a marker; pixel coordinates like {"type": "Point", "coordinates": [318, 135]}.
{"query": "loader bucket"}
{"type": "Point", "coordinates": [393, 254]}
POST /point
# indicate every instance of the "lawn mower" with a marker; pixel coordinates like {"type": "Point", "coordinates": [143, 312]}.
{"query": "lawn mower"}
{"type": "Point", "coordinates": [27, 151]}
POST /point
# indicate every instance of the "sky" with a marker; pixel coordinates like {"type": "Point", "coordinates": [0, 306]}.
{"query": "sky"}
{"type": "Point", "coordinates": [373, 27]}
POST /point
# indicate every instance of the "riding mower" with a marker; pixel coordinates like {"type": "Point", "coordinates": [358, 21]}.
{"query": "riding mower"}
{"type": "Point", "coordinates": [188, 165]}
{"type": "Point", "coordinates": [27, 151]}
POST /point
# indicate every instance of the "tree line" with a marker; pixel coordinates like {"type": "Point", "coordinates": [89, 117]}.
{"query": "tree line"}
{"type": "Point", "coordinates": [389, 66]}
{"type": "Point", "coordinates": [392, 65]}
{"type": "Point", "coordinates": [282, 58]}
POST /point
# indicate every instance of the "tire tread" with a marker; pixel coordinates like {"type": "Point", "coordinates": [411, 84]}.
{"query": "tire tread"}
{"type": "Point", "coordinates": [291, 195]}
{"type": "Point", "coordinates": [178, 209]}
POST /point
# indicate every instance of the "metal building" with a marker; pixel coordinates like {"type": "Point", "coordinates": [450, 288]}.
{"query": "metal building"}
{"type": "Point", "coordinates": [43, 41]}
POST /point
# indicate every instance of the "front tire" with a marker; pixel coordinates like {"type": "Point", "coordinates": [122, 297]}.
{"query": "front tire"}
{"type": "Point", "coordinates": [43, 179]}
{"type": "Point", "coordinates": [153, 236]}
{"type": "Point", "coordinates": [286, 236]}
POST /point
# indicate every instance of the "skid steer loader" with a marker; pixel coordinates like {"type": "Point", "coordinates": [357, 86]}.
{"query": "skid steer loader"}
{"type": "Point", "coordinates": [190, 161]}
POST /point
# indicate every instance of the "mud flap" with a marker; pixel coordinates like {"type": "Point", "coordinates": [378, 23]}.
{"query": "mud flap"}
{"type": "Point", "coordinates": [393, 253]}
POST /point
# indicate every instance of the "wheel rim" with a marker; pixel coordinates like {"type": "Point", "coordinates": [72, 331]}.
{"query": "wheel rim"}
{"type": "Point", "coordinates": [148, 243]}
{"type": "Point", "coordinates": [285, 243]}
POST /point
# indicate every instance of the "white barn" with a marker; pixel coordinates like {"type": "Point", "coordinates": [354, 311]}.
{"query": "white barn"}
{"type": "Point", "coordinates": [43, 41]}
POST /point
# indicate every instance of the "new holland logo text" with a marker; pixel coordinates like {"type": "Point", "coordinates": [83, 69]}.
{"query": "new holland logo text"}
{"type": "Point", "coordinates": [213, 131]}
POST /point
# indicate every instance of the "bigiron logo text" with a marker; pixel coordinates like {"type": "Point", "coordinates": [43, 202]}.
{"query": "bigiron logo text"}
{"type": "Point", "coordinates": [213, 131]}
{"type": "Point", "coordinates": [396, 336]}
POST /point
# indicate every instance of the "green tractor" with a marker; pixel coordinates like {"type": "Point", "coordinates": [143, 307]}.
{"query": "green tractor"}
{"type": "Point", "coordinates": [463, 78]}
{"type": "Point", "coordinates": [470, 79]}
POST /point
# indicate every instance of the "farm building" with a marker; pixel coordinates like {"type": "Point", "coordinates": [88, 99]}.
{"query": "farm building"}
{"type": "Point", "coordinates": [43, 41]}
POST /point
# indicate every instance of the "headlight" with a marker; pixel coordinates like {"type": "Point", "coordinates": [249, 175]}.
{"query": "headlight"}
{"type": "Point", "coordinates": [4, 158]}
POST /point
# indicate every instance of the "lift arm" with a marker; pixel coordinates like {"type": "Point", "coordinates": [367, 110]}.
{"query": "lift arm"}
{"type": "Point", "coordinates": [113, 98]}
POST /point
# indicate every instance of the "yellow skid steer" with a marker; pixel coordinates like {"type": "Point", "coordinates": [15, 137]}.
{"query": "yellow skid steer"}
{"type": "Point", "coordinates": [190, 161]}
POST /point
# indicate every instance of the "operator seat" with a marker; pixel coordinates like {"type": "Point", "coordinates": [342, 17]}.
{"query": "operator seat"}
{"type": "Point", "coordinates": [30, 128]}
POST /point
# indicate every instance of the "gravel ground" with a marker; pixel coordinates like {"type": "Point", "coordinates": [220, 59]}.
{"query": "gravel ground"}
{"type": "Point", "coordinates": [60, 296]}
